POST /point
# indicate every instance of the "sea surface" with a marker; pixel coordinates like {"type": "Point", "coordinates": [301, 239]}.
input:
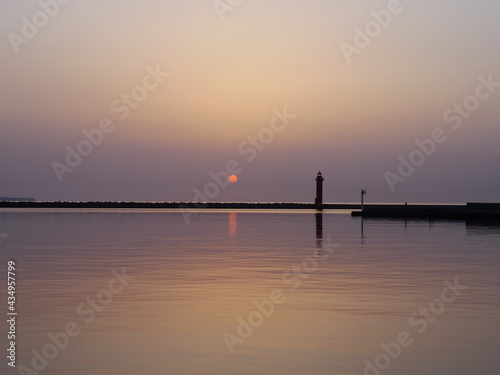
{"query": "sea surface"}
{"type": "Point", "coordinates": [156, 292]}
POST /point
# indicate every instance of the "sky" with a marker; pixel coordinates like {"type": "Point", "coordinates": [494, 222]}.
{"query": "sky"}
{"type": "Point", "coordinates": [397, 97]}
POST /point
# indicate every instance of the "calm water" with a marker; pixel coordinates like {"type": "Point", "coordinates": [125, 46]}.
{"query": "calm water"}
{"type": "Point", "coordinates": [188, 288]}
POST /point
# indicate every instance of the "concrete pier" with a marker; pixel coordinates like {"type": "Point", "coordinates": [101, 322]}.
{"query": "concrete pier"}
{"type": "Point", "coordinates": [437, 211]}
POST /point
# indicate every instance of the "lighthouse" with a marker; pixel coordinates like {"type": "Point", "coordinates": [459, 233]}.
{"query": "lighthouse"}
{"type": "Point", "coordinates": [319, 189]}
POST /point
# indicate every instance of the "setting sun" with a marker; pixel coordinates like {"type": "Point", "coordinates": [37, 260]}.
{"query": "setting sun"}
{"type": "Point", "coordinates": [233, 178]}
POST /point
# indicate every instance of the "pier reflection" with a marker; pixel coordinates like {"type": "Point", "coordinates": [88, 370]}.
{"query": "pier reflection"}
{"type": "Point", "coordinates": [482, 227]}
{"type": "Point", "coordinates": [362, 230]}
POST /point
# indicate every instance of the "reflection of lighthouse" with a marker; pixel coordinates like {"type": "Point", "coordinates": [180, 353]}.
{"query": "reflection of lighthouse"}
{"type": "Point", "coordinates": [319, 189]}
{"type": "Point", "coordinates": [319, 229]}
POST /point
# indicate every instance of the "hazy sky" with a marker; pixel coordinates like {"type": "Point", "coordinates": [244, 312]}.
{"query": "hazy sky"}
{"type": "Point", "coordinates": [360, 101]}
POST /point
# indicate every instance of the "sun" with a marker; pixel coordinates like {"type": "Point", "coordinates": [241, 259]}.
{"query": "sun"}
{"type": "Point", "coordinates": [233, 179]}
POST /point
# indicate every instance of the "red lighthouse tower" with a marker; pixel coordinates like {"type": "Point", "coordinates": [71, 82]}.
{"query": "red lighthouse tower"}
{"type": "Point", "coordinates": [319, 189]}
